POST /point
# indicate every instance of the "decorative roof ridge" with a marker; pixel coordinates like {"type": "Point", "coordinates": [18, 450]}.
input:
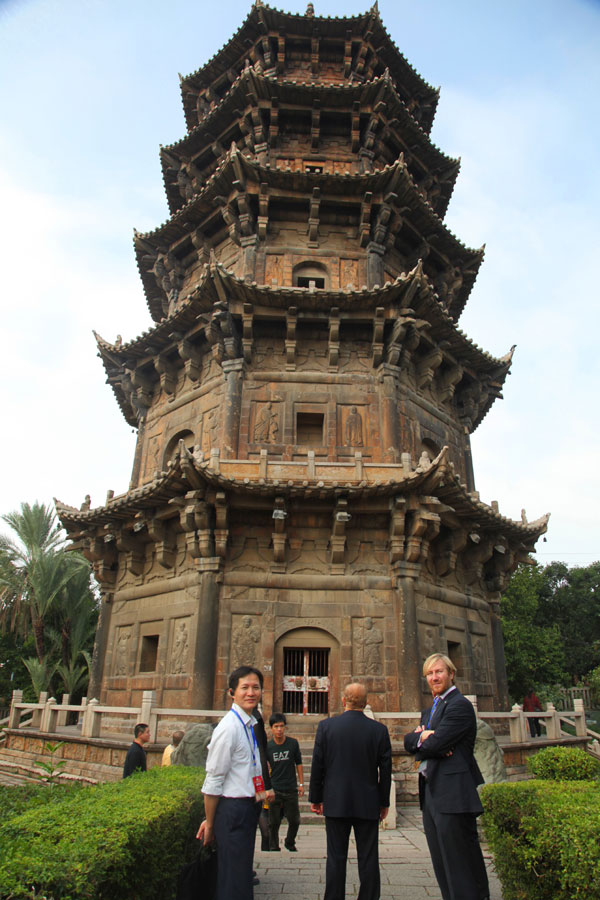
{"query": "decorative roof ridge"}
{"type": "Point", "coordinates": [165, 324]}
{"type": "Point", "coordinates": [502, 361]}
{"type": "Point", "coordinates": [185, 467]}
{"type": "Point", "coordinates": [233, 150]}
{"type": "Point", "coordinates": [445, 468]}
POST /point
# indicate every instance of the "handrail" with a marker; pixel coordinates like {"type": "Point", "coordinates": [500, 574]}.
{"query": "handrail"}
{"type": "Point", "coordinates": [47, 715]}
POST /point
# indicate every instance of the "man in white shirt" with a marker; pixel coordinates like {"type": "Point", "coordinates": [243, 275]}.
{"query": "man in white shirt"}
{"type": "Point", "coordinates": [234, 787]}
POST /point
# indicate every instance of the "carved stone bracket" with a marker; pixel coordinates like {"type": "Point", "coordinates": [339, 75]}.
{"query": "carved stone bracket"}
{"type": "Point", "coordinates": [334, 337]}
{"type": "Point", "coordinates": [424, 525]}
{"type": "Point", "coordinates": [313, 218]}
{"type": "Point", "coordinates": [167, 373]}
{"type": "Point", "coordinates": [337, 541]}
{"type": "Point", "coordinates": [247, 339]}
{"type": "Point", "coordinates": [378, 324]}
{"type": "Point", "coordinates": [192, 359]}
{"type": "Point", "coordinates": [290, 337]}
{"type": "Point", "coordinates": [221, 524]}
{"type": "Point", "coordinates": [397, 525]}
{"type": "Point", "coordinates": [279, 535]}
{"type": "Point", "coordinates": [315, 126]}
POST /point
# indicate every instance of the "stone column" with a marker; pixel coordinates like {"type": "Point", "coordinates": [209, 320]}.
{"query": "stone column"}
{"type": "Point", "coordinates": [100, 646]}
{"type": "Point", "coordinates": [409, 667]}
{"type": "Point", "coordinates": [501, 699]}
{"type": "Point", "coordinates": [375, 271]}
{"type": "Point", "coordinates": [233, 404]}
{"type": "Point", "coordinates": [205, 656]}
{"type": "Point", "coordinates": [390, 437]}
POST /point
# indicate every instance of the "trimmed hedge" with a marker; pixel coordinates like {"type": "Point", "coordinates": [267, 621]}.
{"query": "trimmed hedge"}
{"type": "Point", "coordinates": [122, 841]}
{"type": "Point", "coordinates": [544, 837]}
{"type": "Point", "coordinates": [564, 764]}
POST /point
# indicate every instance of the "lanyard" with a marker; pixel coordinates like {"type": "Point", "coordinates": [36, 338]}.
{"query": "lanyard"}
{"type": "Point", "coordinates": [254, 743]}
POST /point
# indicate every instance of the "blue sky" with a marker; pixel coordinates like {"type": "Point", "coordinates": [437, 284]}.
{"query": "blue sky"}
{"type": "Point", "coordinates": [89, 90]}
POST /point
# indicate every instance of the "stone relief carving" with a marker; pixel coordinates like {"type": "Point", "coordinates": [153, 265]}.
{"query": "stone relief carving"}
{"type": "Point", "coordinates": [353, 429]}
{"type": "Point", "coordinates": [429, 641]}
{"type": "Point", "coordinates": [245, 639]}
{"type": "Point", "coordinates": [122, 652]}
{"type": "Point", "coordinates": [181, 645]}
{"type": "Point", "coordinates": [367, 645]}
{"type": "Point", "coordinates": [266, 427]}
{"type": "Point", "coordinates": [479, 661]}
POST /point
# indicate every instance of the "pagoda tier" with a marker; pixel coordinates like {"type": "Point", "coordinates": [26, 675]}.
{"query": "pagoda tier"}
{"type": "Point", "coordinates": [402, 325]}
{"type": "Point", "coordinates": [253, 214]}
{"type": "Point", "coordinates": [355, 49]}
{"type": "Point", "coordinates": [302, 494]}
{"type": "Point", "coordinates": [369, 119]}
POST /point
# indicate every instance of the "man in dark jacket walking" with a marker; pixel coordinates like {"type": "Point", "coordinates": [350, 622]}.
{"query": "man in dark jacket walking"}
{"type": "Point", "coordinates": [350, 782]}
{"type": "Point", "coordinates": [448, 780]}
{"type": "Point", "coordinates": [135, 761]}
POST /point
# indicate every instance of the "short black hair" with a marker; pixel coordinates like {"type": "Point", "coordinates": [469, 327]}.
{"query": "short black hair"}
{"type": "Point", "coordinates": [139, 729]}
{"type": "Point", "coordinates": [241, 672]}
{"type": "Point", "coordinates": [277, 717]}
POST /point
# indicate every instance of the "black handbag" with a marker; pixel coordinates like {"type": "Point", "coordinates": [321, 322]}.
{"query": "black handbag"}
{"type": "Point", "coordinates": [198, 880]}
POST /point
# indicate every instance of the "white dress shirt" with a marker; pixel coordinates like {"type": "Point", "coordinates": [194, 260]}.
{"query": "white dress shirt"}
{"type": "Point", "coordinates": [230, 765]}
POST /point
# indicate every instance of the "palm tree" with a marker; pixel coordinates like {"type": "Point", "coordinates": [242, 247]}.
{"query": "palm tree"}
{"type": "Point", "coordinates": [45, 590]}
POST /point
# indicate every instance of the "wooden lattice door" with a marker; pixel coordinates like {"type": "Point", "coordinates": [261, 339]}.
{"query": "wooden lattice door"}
{"type": "Point", "coordinates": [306, 681]}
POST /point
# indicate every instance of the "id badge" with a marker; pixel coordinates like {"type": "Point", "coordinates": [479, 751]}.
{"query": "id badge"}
{"type": "Point", "coordinates": [259, 784]}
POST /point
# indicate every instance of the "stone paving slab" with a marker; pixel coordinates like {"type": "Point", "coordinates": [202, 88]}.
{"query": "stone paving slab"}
{"type": "Point", "coordinates": [404, 858]}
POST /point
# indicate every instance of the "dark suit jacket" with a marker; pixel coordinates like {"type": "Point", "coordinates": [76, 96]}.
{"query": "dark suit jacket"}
{"type": "Point", "coordinates": [351, 770]}
{"type": "Point", "coordinates": [453, 779]}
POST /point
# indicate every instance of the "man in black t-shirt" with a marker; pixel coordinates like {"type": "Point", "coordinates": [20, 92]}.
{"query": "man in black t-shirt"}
{"type": "Point", "coordinates": [135, 761]}
{"type": "Point", "coordinates": [285, 759]}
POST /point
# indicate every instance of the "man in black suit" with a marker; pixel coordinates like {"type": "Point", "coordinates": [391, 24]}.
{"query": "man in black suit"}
{"type": "Point", "coordinates": [448, 779]}
{"type": "Point", "coordinates": [350, 782]}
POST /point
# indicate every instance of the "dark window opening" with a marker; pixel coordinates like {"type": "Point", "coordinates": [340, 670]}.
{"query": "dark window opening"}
{"type": "Point", "coordinates": [309, 429]}
{"type": "Point", "coordinates": [306, 282]}
{"type": "Point", "coordinates": [455, 654]}
{"type": "Point", "coordinates": [149, 655]}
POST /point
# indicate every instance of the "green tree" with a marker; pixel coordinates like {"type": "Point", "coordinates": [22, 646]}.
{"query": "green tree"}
{"type": "Point", "coordinates": [570, 600]}
{"type": "Point", "coordinates": [534, 653]}
{"type": "Point", "coordinates": [45, 591]}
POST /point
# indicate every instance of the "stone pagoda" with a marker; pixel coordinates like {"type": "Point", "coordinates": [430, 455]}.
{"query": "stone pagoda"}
{"type": "Point", "coordinates": [302, 495]}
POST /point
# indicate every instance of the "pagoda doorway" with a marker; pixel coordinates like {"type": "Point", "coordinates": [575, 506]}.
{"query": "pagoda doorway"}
{"type": "Point", "coordinates": [306, 681]}
{"type": "Point", "coordinates": [306, 676]}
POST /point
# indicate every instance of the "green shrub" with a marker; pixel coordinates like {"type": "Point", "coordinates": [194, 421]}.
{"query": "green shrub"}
{"type": "Point", "coordinates": [564, 764]}
{"type": "Point", "coordinates": [121, 841]}
{"type": "Point", "coordinates": [15, 800]}
{"type": "Point", "coordinates": [544, 837]}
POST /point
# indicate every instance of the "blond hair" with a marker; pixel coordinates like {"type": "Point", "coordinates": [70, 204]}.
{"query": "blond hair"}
{"type": "Point", "coordinates": [441, 656]}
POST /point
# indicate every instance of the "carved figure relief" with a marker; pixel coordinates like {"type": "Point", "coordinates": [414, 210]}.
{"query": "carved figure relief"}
{"type": "Point", "coordinates": [181, 644]}
{"type": "Point", "coordinates": [209, 424]}
{"type": "Point", "coordinates": [429, 641]}
{"type": "Point", "coordinates": [122, 652]}
{"type": "Point", "coordinates": [367, 646]}
{"type": "Point", "coordinates": [348, 274]}
{"type": "Point", "coordinates": [266, 427]}
{"type": "Point", "coordinates": [244, 642]}
{"type": "Point", "coordinates": [353, 429]}
{"type": "Point", "coordinates": [273, 269]}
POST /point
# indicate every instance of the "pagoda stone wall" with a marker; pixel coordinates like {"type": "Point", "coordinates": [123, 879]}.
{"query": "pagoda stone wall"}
{"type": "Point", "coordinates": [302, 495]}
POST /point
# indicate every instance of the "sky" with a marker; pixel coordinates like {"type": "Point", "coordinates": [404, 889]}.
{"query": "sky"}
{"type": "Point", "coordinates": [89, 89]}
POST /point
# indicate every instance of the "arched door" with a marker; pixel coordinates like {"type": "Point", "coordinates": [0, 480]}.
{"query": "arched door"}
{"type": "Point", "coordinates": [306, 681]}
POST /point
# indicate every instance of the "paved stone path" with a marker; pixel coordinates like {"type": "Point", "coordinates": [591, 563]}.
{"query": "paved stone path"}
{"type": "Point", "coordinates": [405, 865]}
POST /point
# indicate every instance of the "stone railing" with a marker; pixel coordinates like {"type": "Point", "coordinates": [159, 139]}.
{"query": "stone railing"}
{"type": "Point", "coordinates": [552, 720]}
{"type": "Point", "coordinates": [48, 715]}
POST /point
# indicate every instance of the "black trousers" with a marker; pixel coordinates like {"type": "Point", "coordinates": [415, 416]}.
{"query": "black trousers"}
{"type": "Point", "coordinates": [235, 833]}
{"type": "Point", "coordinates": [366, 835]}
{"type": "Point", "coordinates": [455, 852]}
{"type": "Point", "coordinates": [284, 804]}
